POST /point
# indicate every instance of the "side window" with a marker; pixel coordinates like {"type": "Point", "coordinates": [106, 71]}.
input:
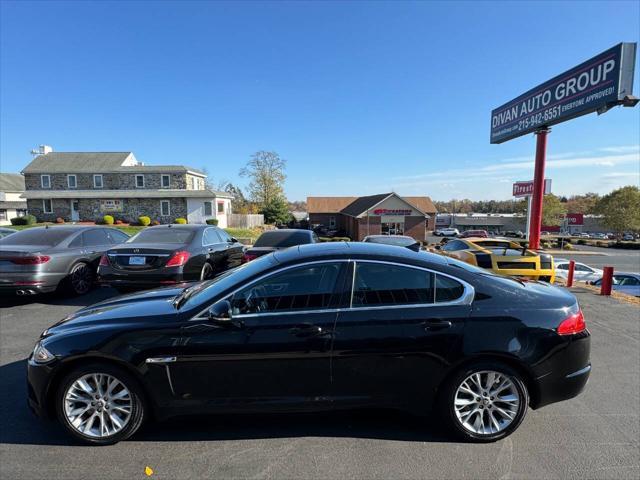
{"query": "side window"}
{"type": "Point", "coordinates": [223, 235]}
{"type": "Point", "coordinates": [447, 289]}
{"type": "Point", "coordinates": [583, 268]}
{"type": "Point", "coordinates": [312, 287]}
{"type": "Point", "coordinates": [95, 237]}
{"type": "Point", "coordinates": [76, 242]}
{"type": "Point", "coordinates": [629, 281]}
{"type": "Point", "coordinates": [383, 284]}
{"type": "Point", "coordinates": [210, 237]}
{"type": "Point", "coordinates": [454, 246]}
{"type": "Point", "coordinates": [562, 266]}
{"type": "Point", "coordinates": [116, 236]}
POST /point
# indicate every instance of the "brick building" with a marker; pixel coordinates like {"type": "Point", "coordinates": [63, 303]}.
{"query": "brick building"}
{"type": "Point", "coordinates": [382, 214]}
{"type": "Point", "coordinates": [85, 186]}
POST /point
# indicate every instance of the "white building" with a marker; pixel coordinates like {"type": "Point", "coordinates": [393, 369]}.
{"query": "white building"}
{"type": "Point", "coordinates": [11, 204]}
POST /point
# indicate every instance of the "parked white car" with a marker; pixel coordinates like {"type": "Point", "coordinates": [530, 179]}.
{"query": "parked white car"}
{"type": "Point", "coordinates": [581, 272]}
{"type": "Point", "coordinates": [628, 283]}
{"type": "Point", "coordinates": [447, 232]}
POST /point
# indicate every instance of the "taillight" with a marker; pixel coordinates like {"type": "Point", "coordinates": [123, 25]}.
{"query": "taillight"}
{"type": "Point", "coordinates": [104, 261]}
{"type": "Point", "coordinates": [34, 260]}
{"type": "Point", "coordinates": [572, 324]}
{"type": "Point", "coordinates": [247, 257]}
{"type": "Point", "coordinates": [178, 259]}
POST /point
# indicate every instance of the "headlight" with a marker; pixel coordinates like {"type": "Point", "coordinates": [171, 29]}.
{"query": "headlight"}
{"type": "Point", "coordinates": [41, 354]}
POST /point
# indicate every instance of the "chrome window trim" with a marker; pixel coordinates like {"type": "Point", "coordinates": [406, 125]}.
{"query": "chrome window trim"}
{"type": "Point", "coordinates": [465, 299]}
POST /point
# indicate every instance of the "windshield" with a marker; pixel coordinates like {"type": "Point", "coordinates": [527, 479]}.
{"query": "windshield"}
{"type": "Point", "coordinates": [282, 239]}
{"type": "Point", "coordinates": [38, 236]}
{"type": "Point", "coordinates": [163, 235]}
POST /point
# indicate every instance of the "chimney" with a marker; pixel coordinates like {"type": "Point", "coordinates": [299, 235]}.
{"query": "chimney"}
{"type": "Point", "coordinates": [44, 149]}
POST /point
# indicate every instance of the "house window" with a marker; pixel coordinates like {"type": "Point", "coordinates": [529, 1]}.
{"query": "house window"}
{"type": "Point", "coordinates": [165, 209]}
{"type": "Point", "coordinates": [21, 212]}
{"type": "Point", "coordinates": [193, 183]}
{"type": "Point", "coordinates": [45, 181]}
{"type": "Point", "coordinates": [3, 214]}
{"type": "Point", "coordinates": [208, 209]}
{"type": "Point", "coordinates": [166, 181]}
{"type": "Point", "coordinates": [97, 181]}
{"type": "Point", "coordinates": [47, 206]}
{"type": "Point", "coordinates": [220, 207]}
{"type": "Point", "coordinates": [332, 222]}
{"type": "Point", "coordinates": [72, 181]}
{"type": "Point", "coordinates": [139, 181]}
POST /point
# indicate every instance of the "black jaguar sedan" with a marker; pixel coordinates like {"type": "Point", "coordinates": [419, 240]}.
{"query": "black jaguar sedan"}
{"type": "Point", "coordinates": [169, 254]}
{"type": "Point", "coordinates": [315, 327]}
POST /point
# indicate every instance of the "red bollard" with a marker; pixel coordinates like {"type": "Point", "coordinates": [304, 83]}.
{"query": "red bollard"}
{"type": "Point", "coordinates": [572, 266]}
{"type": "Point", "coordinates": [607, 281]}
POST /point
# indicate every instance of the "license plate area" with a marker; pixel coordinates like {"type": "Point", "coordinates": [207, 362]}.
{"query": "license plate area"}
{"type": "Point", "coordinates": [137, 260]}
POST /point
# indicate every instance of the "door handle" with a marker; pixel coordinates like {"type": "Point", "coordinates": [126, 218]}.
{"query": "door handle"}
{"type": "Point", "coordinates": [307, 331]}
{"type": "Point", "coordinates": [436, 324]}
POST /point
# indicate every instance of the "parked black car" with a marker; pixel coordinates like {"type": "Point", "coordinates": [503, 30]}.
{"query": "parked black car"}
{"type": "Point", "coordinates": [397, 240]}
{"type": "Point", "coordinates": [169, 254]}
{"type": "Point", "coordinates": [332, 325]}
{"type": "Point", "coordinates": [273, 240]}
{"type": "Point", "coordinates": [41, 259]}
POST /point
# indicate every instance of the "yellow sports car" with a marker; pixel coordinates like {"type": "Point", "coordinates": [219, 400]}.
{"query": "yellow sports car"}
{"type": "Point", "coordinates": [501, 256]}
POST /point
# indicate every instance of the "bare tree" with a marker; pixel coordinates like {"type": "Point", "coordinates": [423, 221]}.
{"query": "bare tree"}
{"type": "Point", "coordinates": [266, 173]}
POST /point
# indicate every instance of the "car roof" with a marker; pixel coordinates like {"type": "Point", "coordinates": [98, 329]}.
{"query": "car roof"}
{"type": "Point", "coordinates": [67, 227]}
{"type": "Point", "coordinates": [389, 236]}
{"type": "Point", "coordinates": [355, 250]}
{"type": "Point", "coordinates": [193, 226]}
{"type": "Point", "coordinates": [289, 230]}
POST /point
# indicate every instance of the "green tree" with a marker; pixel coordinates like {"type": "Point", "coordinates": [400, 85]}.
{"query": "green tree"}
{"type": "Point", "coordinates": [265, 171]}
{"type": "Point", "coordinates": [582, 203]}
{"type": "Point", "coordinates": [552, 210]}
{"type": "Point", "coordinates": [621, 209]}
{"type": "Point", "coordinates": [276, 211]}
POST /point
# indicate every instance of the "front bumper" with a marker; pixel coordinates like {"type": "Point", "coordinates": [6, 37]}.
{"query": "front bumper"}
{"type": "Point", "coordinates": [38, 381]}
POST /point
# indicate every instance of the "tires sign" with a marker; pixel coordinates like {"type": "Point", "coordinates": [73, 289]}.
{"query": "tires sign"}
{"type": "Point", "coordinates": [595, 85]}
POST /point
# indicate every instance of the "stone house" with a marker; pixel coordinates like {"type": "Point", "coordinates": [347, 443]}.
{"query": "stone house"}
{"type": "Point", "coordinates": [85, 186]}
{"type": "Point", "coordinates": [11, 203]}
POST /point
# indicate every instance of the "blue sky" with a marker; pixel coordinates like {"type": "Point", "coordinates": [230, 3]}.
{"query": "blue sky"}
{"type": "Point", "coordinates": [359, 97]}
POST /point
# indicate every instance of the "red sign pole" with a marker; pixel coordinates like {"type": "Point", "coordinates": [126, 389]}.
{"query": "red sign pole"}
{"type": "Point", "coordinates": [538, 189]}
{"type": "Point", "coordinates": [572, 266]}
{"type": "Point", "coordinates": [607, 281]}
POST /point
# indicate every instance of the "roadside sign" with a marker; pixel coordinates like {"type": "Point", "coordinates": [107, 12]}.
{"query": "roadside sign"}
{"type": "Point", "coordinates": [525, 189]}
{"type": "Point", "coordinates": [595, 85]}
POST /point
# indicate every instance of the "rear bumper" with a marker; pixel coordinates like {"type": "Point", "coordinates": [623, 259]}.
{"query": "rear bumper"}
{"type": "Point", "coordinates": [539, 274]}
{"type": "Point", "coordinates": [113, 277]}
{"type": "Point", "coordinates": [11, 283]}
{"type": "Point", "coordinates": [569, 373]}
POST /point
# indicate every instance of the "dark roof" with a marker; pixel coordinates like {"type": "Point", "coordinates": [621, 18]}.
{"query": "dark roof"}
{"type": "Point", "coordinates": [96, 162]}
{"type": "Point", "coordinates": [362, 204]}
{"type": "Point", "coordinates": [11, 182]}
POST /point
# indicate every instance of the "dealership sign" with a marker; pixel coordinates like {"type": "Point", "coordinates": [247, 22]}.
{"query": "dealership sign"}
{"type": "Point", "coordinates": [110, 205]}
{"type": "Point", "coordinates": [387, 211]}
{"type": "Point", "coordinates": [595, 85]}
{"type": "Point", "coordinates": [525, 189]}
{"type": "Point", "coordinates": [575, 218]}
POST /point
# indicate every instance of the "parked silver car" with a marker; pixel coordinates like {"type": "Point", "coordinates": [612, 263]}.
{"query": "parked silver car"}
{"type": "Point", "coordinates": [5, 232]}
{"type": "Point", "coordinates": [628, 283]}
{"type": "Point", "coordinates": [40, 259]}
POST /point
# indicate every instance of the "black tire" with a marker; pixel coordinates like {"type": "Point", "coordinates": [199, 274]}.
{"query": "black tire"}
{"type": "Point", "coordinates": [138, 407]}
{"type": "Point", "coordinates": [206, 272]}
{"type": "Point", "coordinates": [80, 279]}
{"type": "Point", "coordinates": [447, 408]}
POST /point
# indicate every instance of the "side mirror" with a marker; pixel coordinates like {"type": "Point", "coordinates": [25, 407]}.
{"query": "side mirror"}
{"type": "Point", "coordinates": [437, 247]}
{"type": "Point", "coordinates": [234, 240]}
{"type": "Point", "coordinates": [220, 314]}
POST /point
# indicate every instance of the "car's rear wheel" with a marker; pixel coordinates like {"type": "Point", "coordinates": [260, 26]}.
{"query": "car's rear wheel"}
{"type": "Point", "coordinates": [484, 402]}
{"type": "Point", "coordinates": [206, 272]}
{"type": "Point", "coordinates": [80, 279]}
{"type": "Point", "coordinates": [100, 404]}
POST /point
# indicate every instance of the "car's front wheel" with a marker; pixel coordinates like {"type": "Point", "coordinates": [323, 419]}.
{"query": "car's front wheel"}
{"type": "Point", "coordinates": [484, 402]}
{"type": "Point", "coordinates": [100, 404]}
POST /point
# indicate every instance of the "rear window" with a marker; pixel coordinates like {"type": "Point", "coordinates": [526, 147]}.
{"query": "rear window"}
{"type": "Point", "coordinates": [281, 239]}
{"type": "Point", "coordinates": [163, 235]}
{"type": "Point", "coordinates": [38, 236]}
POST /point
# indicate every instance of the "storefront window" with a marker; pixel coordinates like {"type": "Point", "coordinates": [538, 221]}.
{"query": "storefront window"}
{"type": "Point", "coordinates": [393, 228]}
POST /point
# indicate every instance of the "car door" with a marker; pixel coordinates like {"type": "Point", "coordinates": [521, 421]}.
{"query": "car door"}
{"type": "Point", "coordinates": [233, 249]}
{"type": "Point", "coordinates": [95, 242]}
{"type": "Point", "coordinates": [278, 351]}
{"type": "Point", "coordinates": [628, 284]}
{"type": "Point", "coordinates": [396, 341]}
{"type": "Point", "coordinates": [214, 248]}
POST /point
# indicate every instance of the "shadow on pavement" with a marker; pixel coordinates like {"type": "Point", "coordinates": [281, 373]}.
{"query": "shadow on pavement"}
{"type": "Point", "coordinates": [94, 296]}
{"type": "Point", "coordinates": [19, 426]}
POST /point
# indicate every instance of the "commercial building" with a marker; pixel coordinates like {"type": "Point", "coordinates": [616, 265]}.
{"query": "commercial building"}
{"type": "Point", "coordinates": [11, 203]}
{"type": "Point", "coordinates": [85, 186]}
{"type": "Point", "coordinates": [382, 214]}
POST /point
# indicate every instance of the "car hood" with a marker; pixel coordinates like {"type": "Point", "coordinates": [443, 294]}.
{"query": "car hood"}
{"type": "Point", "coordinates": [154, 305]}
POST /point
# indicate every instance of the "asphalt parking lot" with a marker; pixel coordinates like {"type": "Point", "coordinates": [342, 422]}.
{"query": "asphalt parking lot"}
{"type": "Point", "coordinates": [596, 435]}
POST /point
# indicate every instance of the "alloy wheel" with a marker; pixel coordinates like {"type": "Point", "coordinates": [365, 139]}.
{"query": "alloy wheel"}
{"type": "Point", "coordinates": [206, 272]}
{"type": "Point", "coordinates": [486, 402]}
{"type": "Point", "coordinates": [81, 279]}
{"type": "Point", "coordinates": [98, 405]}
